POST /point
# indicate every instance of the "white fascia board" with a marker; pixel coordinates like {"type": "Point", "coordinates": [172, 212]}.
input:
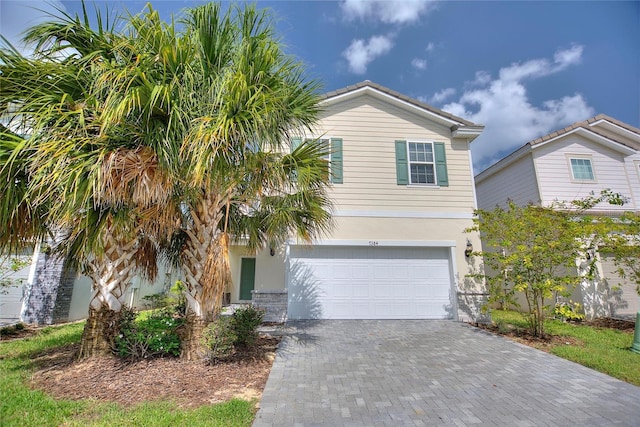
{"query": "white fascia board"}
{"type": "Point", "coordinates": [372, 91]}
{"type": "Point", "coordinates": [616, 146]}
{"type": "Point", "coordinates": [620, 129]}
{"type": "Point", "coordinates": [467, 133]}
{"type": "Point", "coordinates": [379, 243]}
{"type": "Point", "coordinates": [403, 214]}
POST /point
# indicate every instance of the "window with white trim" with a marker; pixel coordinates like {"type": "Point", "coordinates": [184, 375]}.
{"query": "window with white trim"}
{"type": "Point", "coordinates": [582, 169]}
{"type": "Point", "coordinates": [422, 168]}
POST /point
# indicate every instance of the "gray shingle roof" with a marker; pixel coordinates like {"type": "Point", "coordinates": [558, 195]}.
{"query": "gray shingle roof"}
{"type": "Point", "coordinates": [585, 124]}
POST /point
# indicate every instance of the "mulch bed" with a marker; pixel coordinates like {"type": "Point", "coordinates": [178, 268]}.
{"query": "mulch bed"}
{"type": "Point", "coordinates": [607, 322]}
{"type": "Point", "coordinates": [187, 383]}
{"type": "Point", "coordinates": [550, 341]}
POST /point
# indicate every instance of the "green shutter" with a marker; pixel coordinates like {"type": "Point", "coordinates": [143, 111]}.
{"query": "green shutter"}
{"type": "Point", "coordinates": [247, 277]}
{"type": "Point", "coordinates": [336, 160]}
{"type": "Point", "coordinates": [441, 164]}
{"type": "Point", "coordinates": [295, 143]}
{"type": "Point", "coordinates": [402, 172]}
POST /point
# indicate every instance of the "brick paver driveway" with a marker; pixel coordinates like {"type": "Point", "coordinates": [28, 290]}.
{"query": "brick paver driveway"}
{"type": "Point", "coordinates": [396, 372]}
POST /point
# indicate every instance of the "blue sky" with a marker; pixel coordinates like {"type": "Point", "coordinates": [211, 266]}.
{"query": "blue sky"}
{"type": "Point", "coordinates": [522, 69]}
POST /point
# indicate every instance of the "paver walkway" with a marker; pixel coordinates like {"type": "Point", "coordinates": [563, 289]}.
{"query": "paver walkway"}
{"type": "Point", "coordinates": [397, 373]}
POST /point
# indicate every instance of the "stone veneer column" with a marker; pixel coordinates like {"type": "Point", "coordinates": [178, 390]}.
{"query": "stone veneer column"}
{"type": "Point", "coordinates": [273, 302]}
{"type": "Point", "coordinates": [41, 299]}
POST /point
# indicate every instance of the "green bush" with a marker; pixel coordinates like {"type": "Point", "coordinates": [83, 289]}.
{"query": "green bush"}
{"type": "Point", "coordinates": [173, 301]}
{"type": "Point", "coordinates": [568, 311]}
{"type": "Point", "coordinates": [219, 339]}
{"type": "Point", "coordinates": [154, 336]}
{"type": "Point", "coordinates": [245, 324]}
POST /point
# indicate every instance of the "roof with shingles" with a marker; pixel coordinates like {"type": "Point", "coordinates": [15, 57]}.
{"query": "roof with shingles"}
{"type": "Point", "coordinates": [398, 95]}
{"type": "Point", "coordinates": [585, 124]}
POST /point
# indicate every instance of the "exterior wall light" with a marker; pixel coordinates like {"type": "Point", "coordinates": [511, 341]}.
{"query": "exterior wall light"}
{"type": "Point", "coordinates": [272, 251]}
{"type": "Point", "coordinates": [469, 250]}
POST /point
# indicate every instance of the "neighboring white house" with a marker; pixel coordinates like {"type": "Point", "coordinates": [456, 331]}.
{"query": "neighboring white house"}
{"type": "Point", "coordinates": [402, 187]}
{"type": "Point", "coordinates": [569, 164]}
{"type": "Point", "coordinates": [12, 287]}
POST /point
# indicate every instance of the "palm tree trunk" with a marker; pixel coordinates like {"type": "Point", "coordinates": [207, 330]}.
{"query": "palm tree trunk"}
{"type": "Point", "coordinates": [190, 333]}
{"type": "Point", "coordinates": [206, 268]}
{"type": "Point", "coordinates": [111, 274]}
{"type": "Point", "coordinates": [99, 333]}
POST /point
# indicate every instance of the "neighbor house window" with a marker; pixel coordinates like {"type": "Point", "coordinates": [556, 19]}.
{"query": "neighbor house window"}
{"type": "Point", "coordinates": [582, 170]}
{"type": "Point", "coordinates": [422, 169]}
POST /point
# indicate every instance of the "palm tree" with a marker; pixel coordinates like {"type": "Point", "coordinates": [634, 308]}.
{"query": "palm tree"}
{"type": "Point", "coordinates": [96, 190]}
{"type": "Point", "coordinates": [137, 134]}
{"type": "Point", "coordinates": [219, 103]}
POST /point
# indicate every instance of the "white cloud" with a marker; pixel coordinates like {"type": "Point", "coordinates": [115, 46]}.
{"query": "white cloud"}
{"type": "Point", "coordinates": [442, 95]}
{"type": "Point", "coordinates": [420, 64]}
{"type": "Point", "coordinates": [536, 68]}
{"type": "Point", "coordinates": [430, 47]}
{"type": "Point", "coordinates": [360, 52]}
{"type": "Point", "coordinates": [503, 106]}
{"type": "Point", "coordinates": [18, 16]}
{"type": "Point", "coordinates": [385, 11]}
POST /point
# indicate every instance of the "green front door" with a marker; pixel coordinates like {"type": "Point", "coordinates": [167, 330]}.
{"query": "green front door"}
{"type": "Point", "coordinates": [247, 277]}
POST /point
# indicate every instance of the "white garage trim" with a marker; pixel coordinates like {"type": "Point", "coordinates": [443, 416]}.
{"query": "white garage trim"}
{"type": "Point", "coordinates": [382, 243]}
{"type": "Point", "coordinates": [372, 280]}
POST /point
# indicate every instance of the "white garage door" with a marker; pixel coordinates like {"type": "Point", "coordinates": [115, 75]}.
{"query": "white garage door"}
{"type": "Point", "coordinates": [339, 282]}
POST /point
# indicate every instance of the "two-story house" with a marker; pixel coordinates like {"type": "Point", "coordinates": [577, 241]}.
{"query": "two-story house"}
{"type": "Point", "coordinates": [402, 190]}
{"type": "Point", "coordinates": [570, 164]}
{"type": "Point", "coordinates": [403, 195]}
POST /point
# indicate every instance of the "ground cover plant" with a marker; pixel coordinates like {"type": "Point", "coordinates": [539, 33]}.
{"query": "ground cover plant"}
{"type": "Point", "coordinates": [41, 384]}
{"type": "Point", "coordinates": [601, 344]}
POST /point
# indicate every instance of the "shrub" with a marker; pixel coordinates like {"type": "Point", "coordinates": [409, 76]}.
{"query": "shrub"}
{"type": "Point", "coordinates": [173, 301]}
{"type": "Point", "coordinates": [245, 324]}
{"type": "Point", "coordinates": [568, 311]}
{"type": "Point", "coordinates": [154, 336]}
{"type": "Point", "coordinates": [219, 339]}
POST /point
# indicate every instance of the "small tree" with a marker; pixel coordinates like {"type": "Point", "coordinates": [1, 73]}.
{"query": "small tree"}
{"type": "Point", "coordinates": [9, 266]}
{"type": "Point", "coordinates": [622, 243]}
{"type": "Point", "coordinates": [531, 250]}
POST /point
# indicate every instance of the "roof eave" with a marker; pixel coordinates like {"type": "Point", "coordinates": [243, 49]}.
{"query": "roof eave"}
{"type": "Point", "coordinates": [467, 132]}
{"type": "Point", "coordinates": [503, 163]}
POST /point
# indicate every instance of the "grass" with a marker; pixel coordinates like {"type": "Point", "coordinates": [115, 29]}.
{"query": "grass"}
{"type": "Point", "coordinates": [21, 406]}
{"type": "Point", "coordinates": [603, 349]}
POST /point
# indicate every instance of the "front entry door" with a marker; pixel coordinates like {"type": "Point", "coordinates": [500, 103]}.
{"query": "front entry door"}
{"type": "Point", "coordinates": [247, 278]}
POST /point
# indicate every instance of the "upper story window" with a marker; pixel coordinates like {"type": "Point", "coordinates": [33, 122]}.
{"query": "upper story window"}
{"type": "Point", "coordinates": [421, 163]}
{"type": "Point", "coordinates": [582, 169]}
{"type": "Point", "coordinates": [333, 157]}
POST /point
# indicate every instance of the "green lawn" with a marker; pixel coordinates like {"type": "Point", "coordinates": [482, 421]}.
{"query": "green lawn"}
{"type": "Point", "coordinates": [20, 406]}
{"type": "Point", "coordinates": [605, 350]}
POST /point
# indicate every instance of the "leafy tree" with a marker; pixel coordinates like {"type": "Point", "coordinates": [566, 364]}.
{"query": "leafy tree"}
{"type": "Point", "coordinates": [532, 250]}
{"type": "Point", "coordinates": [622, 243]}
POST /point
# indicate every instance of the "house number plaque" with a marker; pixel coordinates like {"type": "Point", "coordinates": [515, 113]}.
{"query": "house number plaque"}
{"type": "Point", "coordinates": [373, 243]}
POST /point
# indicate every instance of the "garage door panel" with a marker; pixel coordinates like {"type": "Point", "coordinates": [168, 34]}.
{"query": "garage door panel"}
{"type": "Point", "coordinates": [369, 282]}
